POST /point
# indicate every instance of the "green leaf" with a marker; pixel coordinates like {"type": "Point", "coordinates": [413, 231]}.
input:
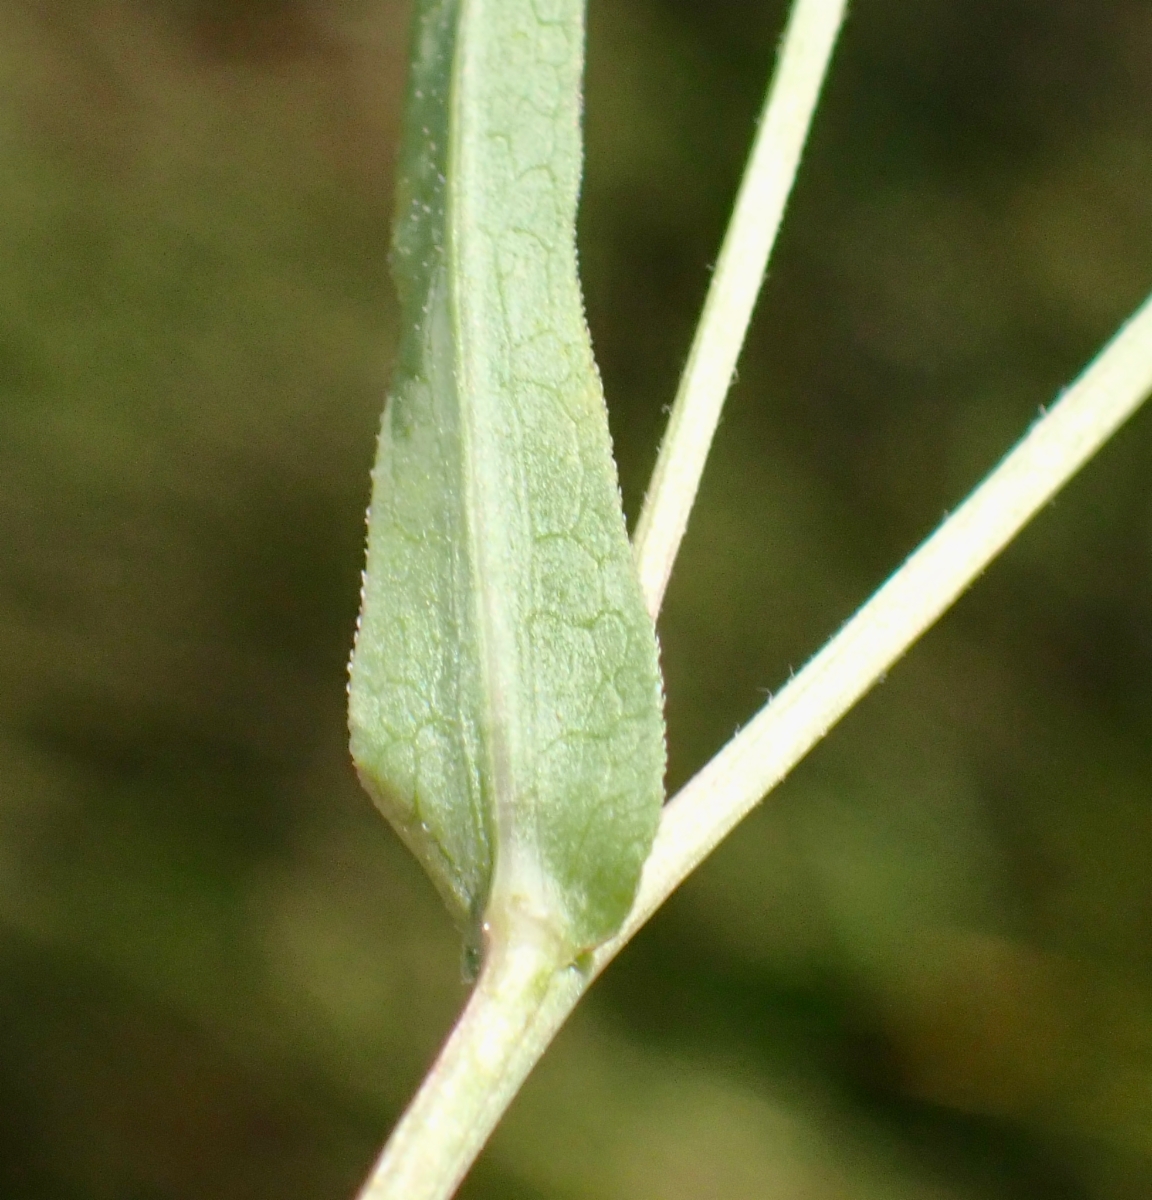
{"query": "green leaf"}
{"type": "Point", "coordinates": [505, 696]}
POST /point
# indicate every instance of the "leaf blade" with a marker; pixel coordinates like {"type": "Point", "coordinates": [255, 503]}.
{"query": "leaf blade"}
{"type": "Point", "coordinates": [505, 697]}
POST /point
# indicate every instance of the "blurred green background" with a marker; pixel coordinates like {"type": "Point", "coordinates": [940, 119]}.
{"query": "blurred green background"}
{"type": "Point", "coordinates": [923, 971]}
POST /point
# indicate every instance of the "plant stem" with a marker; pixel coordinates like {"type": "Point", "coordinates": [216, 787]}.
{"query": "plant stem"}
{"type": "Point", "coordinates": [521, 1000]}
{"type": "Point", "coordinates": [804, 56]}
{"type": "Point", "coordinates": [509, 1019]}
{"type": "Point", "coordinates": [1110, 389]}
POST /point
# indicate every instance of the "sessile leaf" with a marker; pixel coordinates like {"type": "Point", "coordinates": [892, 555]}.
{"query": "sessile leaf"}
{"type": "Point", "coordinates": [505, 696]}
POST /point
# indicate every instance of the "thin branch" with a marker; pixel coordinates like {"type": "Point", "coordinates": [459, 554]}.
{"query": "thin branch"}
{"type": "Point", "coordinates": [1111, 388]}
{"type": "Point", "coordinates": [768, 178]}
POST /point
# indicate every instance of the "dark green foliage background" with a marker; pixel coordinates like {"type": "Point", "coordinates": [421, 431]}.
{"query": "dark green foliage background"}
{"type": "Point", "coordinates": [923, 970]}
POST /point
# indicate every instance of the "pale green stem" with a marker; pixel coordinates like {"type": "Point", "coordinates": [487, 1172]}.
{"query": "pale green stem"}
{"type": "Point", "coordinates": [755, 760]}
{"type": "Point", "coordinates": [517, 1009]}
{"type": "Point", "coordinates": [508, 1020]}
{"type": "Point", "coordinates": [804, 57]}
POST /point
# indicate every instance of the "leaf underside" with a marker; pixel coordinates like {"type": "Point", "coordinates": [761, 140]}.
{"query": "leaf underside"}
{"type": "Point", "coordinates": [505, 697]}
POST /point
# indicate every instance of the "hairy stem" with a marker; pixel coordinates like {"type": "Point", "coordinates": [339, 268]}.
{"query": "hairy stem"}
{"type": "Point", "coordinates": [804, 56]}
{"type": "Point", "coordinates": [1111, 388]}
